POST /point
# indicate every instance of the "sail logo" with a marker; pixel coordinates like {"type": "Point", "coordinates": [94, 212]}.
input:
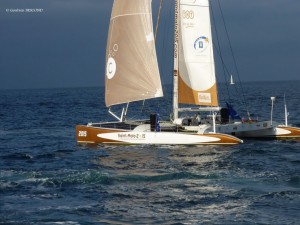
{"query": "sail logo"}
{"type": "Point", "coordinates": [204, 97]}
{"type": "Point", "coordinates": [188, 14]}
{"type": "Point", "coordinates": [111, 68]}
{"type": "Point", "coordinates": [201, 44]}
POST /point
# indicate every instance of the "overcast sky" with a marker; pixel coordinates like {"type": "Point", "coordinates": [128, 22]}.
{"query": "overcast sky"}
{"type": "Point", "coordinates": [63, 44]}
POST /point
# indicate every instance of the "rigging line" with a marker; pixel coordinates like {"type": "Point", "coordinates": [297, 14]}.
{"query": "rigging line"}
{"type": "Point", "coordinates": [218, 50]}
{"type": "Point", "coordinates": [166, 19]}
{"type": "Point", "coordinates": [227, 86]}
{"type": "Point", "coordinates": [156, 33]}
{"type": "Point", "coordinates": [165, 47]}
{"type": "Point", "coordinates": [226, 73]}
{"type": "Point", "coordinates": [235, 64]}
{"type": "Point", "coordinates": [158, 19]}
{"type": "Point", "coordinates": [155, 37]}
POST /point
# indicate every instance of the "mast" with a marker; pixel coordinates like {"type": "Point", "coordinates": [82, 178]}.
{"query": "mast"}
{"type": "Point", "coordinates": [272, 99]}
{"type": "Point", "coordinates": [176, 58]}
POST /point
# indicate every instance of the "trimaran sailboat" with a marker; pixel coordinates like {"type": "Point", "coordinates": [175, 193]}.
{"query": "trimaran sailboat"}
{"type": "Point", "coordinates": [132, 74]}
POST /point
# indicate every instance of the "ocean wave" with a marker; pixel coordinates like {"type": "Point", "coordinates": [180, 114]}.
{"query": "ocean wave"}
{"type": "Point", "coordinates": [91, 177]}
{"type": "Point", "coordinates": [18, 156]}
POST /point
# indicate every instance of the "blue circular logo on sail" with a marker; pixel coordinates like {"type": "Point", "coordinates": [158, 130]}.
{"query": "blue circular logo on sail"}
{"type": "Point", "coordinates": [201, 43]}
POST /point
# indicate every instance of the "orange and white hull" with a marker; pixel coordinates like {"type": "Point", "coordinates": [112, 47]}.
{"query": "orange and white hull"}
{"type": "Point", "coordinates": [263, 129]}
{"type": "Point", "coordinates": [286, 132]}
{"type": "Point", "coordinates": [93, 134]}
{"type": "Point", "coordinates": [276, 132]}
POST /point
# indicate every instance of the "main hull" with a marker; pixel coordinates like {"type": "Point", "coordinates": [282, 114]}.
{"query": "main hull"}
{"type": "Point", "coordinates": [95, 134]}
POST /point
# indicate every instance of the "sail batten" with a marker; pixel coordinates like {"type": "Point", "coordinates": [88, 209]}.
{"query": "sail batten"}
{"type": "Point", "coordinates": [197, 79]}
{"type": "Point", "coordinates": [132, 72]}
{"type": "Point", "coordinates": [129, 14]}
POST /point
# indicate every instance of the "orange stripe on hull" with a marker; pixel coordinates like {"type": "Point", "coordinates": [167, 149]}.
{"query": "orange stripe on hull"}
{"type": "Point", "coordinates": [294, 133]}
{"type": "Point", "coordinates": [224, 139]}
{"type": "Point", "coordinates": [86, 134]}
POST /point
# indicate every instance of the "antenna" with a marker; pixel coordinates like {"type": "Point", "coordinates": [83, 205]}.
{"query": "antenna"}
{"type": "Point", "coordinates": [286, 114]}
{"type": "Point", "coordinates": [272, 99]}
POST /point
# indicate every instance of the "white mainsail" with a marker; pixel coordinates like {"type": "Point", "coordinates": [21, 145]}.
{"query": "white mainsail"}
{"type": "Point", "coordinates": [196, 67]}
{"type": "Point", "coordinates": [132, 72]}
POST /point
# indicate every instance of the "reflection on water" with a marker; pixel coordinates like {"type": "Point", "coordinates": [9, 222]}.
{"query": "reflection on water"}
{"type": "Point", "coordinates": [168, 182]}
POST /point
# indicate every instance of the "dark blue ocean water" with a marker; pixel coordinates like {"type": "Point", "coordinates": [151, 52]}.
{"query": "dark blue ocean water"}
{"type": "Point", "coordinates": [46, 178]}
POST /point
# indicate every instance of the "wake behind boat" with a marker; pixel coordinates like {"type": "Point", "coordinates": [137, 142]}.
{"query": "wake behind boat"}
{"type": "Point", "coordinates": [132, 74]}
